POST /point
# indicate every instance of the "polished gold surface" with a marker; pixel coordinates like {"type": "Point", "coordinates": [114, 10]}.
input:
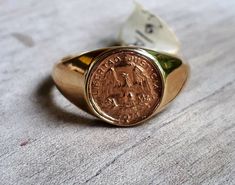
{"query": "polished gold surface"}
{"type": "Point", "coordinates": [72, 77]}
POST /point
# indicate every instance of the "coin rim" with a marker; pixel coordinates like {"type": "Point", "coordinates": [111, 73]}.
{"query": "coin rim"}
{"type": "Point", "coordinates": [97, 60]}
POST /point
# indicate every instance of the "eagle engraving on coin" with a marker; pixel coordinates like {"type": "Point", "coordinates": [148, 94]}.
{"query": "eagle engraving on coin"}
{"type": "Point", "coordinates": [125, 87]}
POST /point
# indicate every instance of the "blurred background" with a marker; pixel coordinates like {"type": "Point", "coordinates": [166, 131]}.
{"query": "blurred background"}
{"type": "Point", "coordinates": [41, 142]}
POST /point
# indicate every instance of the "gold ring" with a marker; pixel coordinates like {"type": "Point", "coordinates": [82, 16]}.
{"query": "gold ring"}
{"type": "Point", "coordinates": [123, 85]}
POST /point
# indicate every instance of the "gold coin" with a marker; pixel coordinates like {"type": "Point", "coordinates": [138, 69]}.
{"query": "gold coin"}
{"type": "Point", "coordinates": [125, 87]}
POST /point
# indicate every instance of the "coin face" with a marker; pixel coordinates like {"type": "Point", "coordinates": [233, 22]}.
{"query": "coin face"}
{"type": "Point", "coordinates": [125, 87]}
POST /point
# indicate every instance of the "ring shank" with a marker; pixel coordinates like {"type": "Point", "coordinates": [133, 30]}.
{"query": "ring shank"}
{"type": "Point", "coordinates": [70, 77]}
{"type": "Point", "coordinates": [70, 83]}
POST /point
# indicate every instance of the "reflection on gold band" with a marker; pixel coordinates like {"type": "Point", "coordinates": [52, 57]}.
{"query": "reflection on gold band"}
{"type": "Point", "coordinates": [70, 76]}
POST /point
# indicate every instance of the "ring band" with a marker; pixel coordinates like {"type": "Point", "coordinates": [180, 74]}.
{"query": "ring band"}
{"type": "Point", "coordinates": [123, 85]}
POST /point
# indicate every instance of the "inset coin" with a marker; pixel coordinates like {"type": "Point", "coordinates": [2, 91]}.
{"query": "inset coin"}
{"type": "Point", "coordinates": [124, 87]}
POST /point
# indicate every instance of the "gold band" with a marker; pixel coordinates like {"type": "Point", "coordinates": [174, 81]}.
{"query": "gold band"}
{"type": "Point", "coordinates": [71, 77]}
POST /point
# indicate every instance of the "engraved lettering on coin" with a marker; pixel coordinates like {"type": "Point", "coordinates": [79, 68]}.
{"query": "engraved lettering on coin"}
{"type": "Point", "coordinates": [126, 87]}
